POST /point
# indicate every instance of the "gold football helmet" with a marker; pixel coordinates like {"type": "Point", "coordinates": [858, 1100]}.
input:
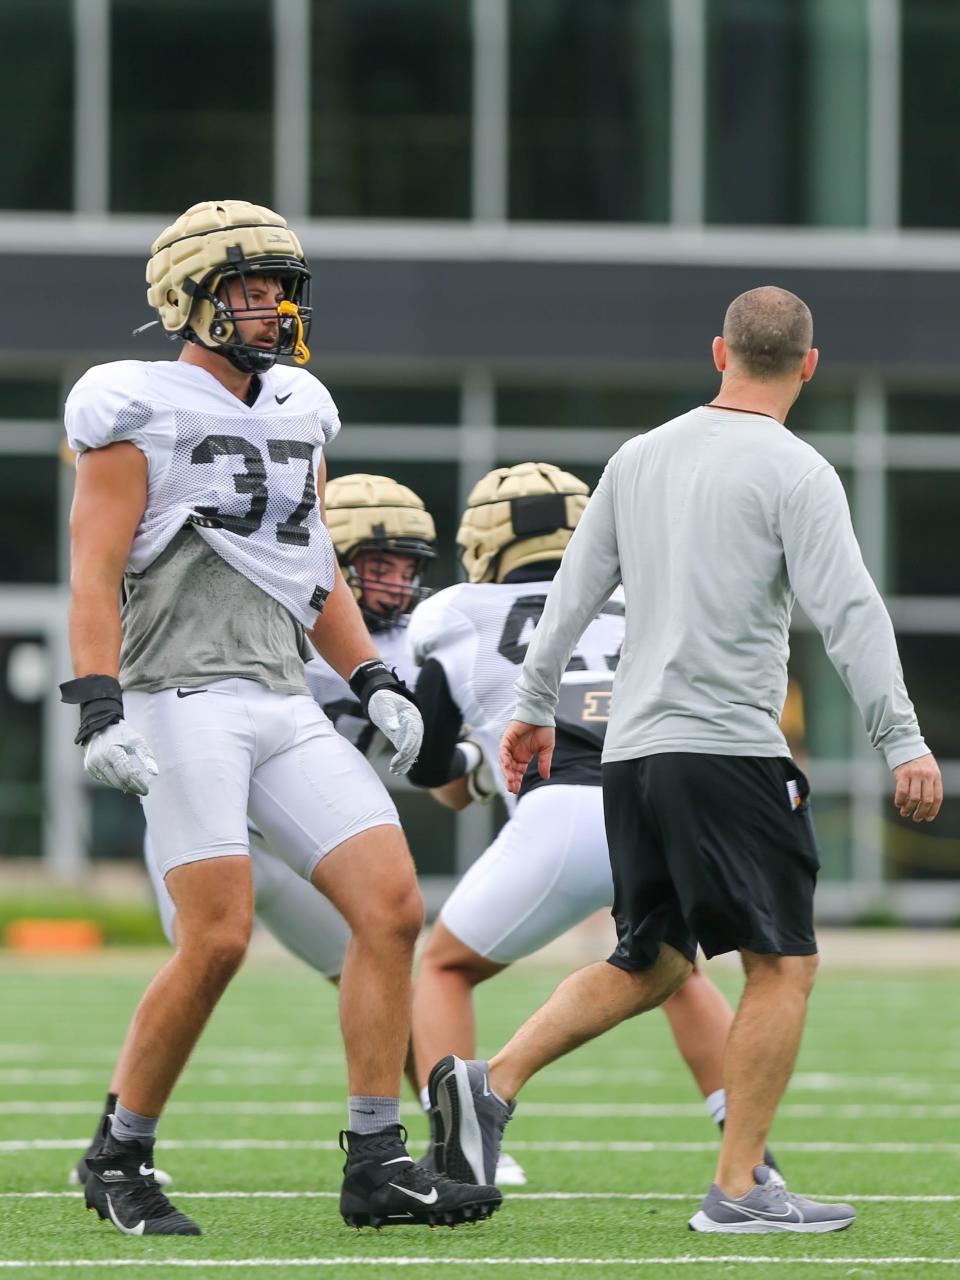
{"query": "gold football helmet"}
{"type": "Point", "coordinates": [517, 516]}
{"type": "Point", "coordinates": [376, 513]}
{"type": "Point", "coordinates": [218, 241]}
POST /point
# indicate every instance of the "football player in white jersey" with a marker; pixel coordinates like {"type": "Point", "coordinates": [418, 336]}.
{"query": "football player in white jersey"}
{"type": "Point", "coordinates": [548, 868]}
{"type": "Point", "coordinates": [200, 493]}
{"type": "Point", "coordinates": [384, 537]}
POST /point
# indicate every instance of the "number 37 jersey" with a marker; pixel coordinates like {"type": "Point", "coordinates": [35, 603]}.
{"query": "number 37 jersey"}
{"type": "Point", "coordinates": [479, 633]}
{"type": "Point", "coordinates": [244, 476]}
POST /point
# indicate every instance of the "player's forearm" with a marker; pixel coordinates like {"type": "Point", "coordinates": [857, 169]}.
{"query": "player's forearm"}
{"type": "Point", "coordinates": [95, 631]}
{"type": "Point", "coordinates": [453, 795]}
{"type": "Point", "coordinates": [340, 635]}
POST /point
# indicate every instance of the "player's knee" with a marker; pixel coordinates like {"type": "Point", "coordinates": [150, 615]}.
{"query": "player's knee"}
{"type": "Point", "coordinates": [446, 954]}
{"type": "Point", "coordinates": [394, 912]}
{"type": "Point", "coordinates": [788, 973]}
{"type": "Point", "coordinates": [219, 949]}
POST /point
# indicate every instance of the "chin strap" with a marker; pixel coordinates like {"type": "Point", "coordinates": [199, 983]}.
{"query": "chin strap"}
{"type": "Point", "coordinates": [301, 352]}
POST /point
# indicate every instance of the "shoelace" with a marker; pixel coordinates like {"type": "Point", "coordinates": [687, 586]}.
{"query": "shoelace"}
{"type": "Point", "coordinates": [147, 1200]}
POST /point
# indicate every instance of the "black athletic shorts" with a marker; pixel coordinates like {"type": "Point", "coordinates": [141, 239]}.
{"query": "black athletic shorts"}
{"type": "Point", "coordinates": [715, 850]}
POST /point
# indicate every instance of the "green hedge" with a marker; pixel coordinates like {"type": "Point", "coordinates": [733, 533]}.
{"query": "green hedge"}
{"type": "Point", "coordinates": [123, 923]}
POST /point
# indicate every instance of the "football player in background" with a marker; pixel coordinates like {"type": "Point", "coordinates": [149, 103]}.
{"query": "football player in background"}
{"type": "Point", "coordinates": [200, 492]}
{"type": "Point", "coordinates": [384, 538]}
{"type": "Point", "coordinates": [548, 868]}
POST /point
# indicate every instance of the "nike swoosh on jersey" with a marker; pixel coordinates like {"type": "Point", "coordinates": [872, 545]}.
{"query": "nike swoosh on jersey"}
{"type": "Point", "coordinates": [145, 1171]}
{"type": "Point", "coordinates": [188, 693]}
{"type": "Point", "coordinates": [283, 399]}
{"type": "Point", "coordinates": [416, 1195]}
{"type": "Point", "coordinates": [127, 1231]}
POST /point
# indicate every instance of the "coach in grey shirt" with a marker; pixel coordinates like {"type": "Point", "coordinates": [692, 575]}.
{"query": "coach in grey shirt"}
{"type": "Point", "coordinates": [716, 523]}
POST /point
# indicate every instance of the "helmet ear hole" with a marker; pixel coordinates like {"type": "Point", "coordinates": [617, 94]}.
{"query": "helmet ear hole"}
{"type": "Point", "coordinates": [171, 297]}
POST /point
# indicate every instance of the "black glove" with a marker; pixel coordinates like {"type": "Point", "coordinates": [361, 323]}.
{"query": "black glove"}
{"type": "Point", "coordinates": [101, 703]}
{"type": "Point", "coordinates": [372, 675]}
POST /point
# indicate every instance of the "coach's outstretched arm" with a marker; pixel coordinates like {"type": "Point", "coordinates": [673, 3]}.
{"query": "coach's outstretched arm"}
{"type": "Point", "coordinates": [588, 574]}
{"type": "Point", "coordinates": [835, 589]}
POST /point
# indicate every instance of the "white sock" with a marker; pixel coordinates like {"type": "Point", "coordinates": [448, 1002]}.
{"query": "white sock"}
{"type": "Point", "coordinates": [425, 1098]}
{"type": "Point", "coordinates": [716, 1104]}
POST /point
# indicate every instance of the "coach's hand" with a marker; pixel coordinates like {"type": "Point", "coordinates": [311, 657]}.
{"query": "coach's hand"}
{"type": "Point", "coordinates": [519, 744]}
{"type": "Point", "coordinates": [399, 720]}
{"type": "Point", "coordinates": [919, 793]}
{"type": "Point", "coordinates": [119, 757]}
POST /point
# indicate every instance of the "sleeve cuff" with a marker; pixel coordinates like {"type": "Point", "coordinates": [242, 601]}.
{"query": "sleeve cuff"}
{"type": "Point", "coordinates": [902, 752]}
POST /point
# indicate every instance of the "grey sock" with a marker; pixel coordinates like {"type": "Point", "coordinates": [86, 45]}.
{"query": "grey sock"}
{"type": "Point", "coordinates": [370, 1115]}
{"type": "Point", "coordinates": [127, 1126]}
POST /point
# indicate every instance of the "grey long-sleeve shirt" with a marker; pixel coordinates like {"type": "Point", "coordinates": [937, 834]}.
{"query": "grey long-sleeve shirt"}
{"type": "Point", "coordinates": [715, 523]}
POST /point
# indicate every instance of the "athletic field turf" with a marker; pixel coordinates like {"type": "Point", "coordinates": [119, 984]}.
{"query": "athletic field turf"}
{"type": "Point", "coordinates": [614, 1138]}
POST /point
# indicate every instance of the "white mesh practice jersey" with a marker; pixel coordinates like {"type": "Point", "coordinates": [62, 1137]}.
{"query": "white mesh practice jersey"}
{"type": "Point", "coordinates": [244, 476]}
{"type": "Point", "coordinates": [479, 633]}
{"type": "Point", "coordinates": [338, 701]}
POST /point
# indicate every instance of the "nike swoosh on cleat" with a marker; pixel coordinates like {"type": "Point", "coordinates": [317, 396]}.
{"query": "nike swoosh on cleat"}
{"type": "Point", "coordinates": [127, 1231]}
{"type": "Point", "coordinates": [398, 1160]}
{"type": "Point", "coordinates": [764, 1215]}
{"type": "Point", "coordinates": [283, 399]}
{"type": "Point", "coordinates": [145, 1171]}
{"type": "Point", "coordinates": [416, 1195]}
{"type": "Point", "coordinates": [188, 693]}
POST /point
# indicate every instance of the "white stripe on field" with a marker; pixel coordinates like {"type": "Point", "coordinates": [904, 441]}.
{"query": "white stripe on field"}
{"type": "Point", "coordinates": [556, 1110]}
{"type": "Point", "coordinates": [513, 1196]}
{"type": "Point", "coordinates": [625, 1147]}
{"type": "Point", "coordinates": [384, 1262]}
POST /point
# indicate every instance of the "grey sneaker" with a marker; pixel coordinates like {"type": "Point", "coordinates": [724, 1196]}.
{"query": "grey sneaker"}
{"type": "Point", "coordinates": [468, 1119]}
{"type": "Point", "coordinates": [768, 1207]}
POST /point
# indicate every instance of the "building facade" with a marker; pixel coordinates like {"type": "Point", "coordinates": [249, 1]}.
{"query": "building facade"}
{"type": "Point", "coordinates": [525, 219]}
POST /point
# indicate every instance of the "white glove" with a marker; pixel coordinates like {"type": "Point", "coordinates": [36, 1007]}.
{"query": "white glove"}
{"type": "Point", "coordinates": [119, 757]}
{"type": "Point", "coordinates": [400, 721]}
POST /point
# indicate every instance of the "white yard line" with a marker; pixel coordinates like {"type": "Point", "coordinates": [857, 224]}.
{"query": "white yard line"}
{"type": "Point", "coordinates": [9, 1147]}
{"type": "Point", "coordinates": [512, 1195]}
{"type": "Point", "coordinates": [555, 1110]}
{"type": "Point", "coordinates": [384, 1262]}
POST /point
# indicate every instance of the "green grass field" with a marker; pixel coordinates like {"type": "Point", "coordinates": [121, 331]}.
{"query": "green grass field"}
{"type": "Point", "coordinates": [614, 1138]}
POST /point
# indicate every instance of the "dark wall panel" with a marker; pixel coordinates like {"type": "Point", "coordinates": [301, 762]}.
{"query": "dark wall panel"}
{"type": "Point", "coordinates": [650, 315]}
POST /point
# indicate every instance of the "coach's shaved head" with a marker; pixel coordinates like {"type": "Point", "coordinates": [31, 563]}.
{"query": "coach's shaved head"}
{"type": "Point", "coordinates": [768, 331]}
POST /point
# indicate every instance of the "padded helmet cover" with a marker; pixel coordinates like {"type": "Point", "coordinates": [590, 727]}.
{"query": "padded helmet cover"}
{"type": "Point", "coordinates": [517, 516]}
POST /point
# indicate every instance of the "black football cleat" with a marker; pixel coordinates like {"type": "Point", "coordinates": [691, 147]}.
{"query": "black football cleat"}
{"type": "Point", "coordinates": [122, 1189]}
{"type": "Point", "coordinates": [384, 1187]}
{"type": "Point", "coordinates": [79, 1173]}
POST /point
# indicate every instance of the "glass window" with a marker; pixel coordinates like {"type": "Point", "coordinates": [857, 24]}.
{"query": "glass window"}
{"type": "Point", "coordinates": [36, 101]}
{"type": "Point", "coordinates": [589, 110]}
{"type": "Point", "coordinates": [28, 518]}
{"type": "Point", "coordinates": [930, 107]}
{"type": "Point", "coordinates": [415, 406]}
{"type": "Point", "coordinates": [30, 398]}
{"type": "Point", "coordinates": [116, 824]}
{"type": "Point", "coordinates": [921, 526]}
{"type": "Point", "coordinates": [21, 744]}
{"type": "Point", "coordinates": [832, 819]}
{"type": "Point", "coordinates": [923, 411]}
{"type": "Point", "coordinates": [932, 676]}
{"type": "Point", "coordinates": [819, 705]}
{"type": "Point", "coordinates": [786, 111]}
{"type": "Point", "coordinates": [192, 95]}
{"type": "Point", "coordinates": [390, 129]}
{"type": "Point", "coordinates": [821, 410]}
{"type": "Point", "coordinates": [921, 850]}
{"type": "Point", "coordinates": [625, 407]}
